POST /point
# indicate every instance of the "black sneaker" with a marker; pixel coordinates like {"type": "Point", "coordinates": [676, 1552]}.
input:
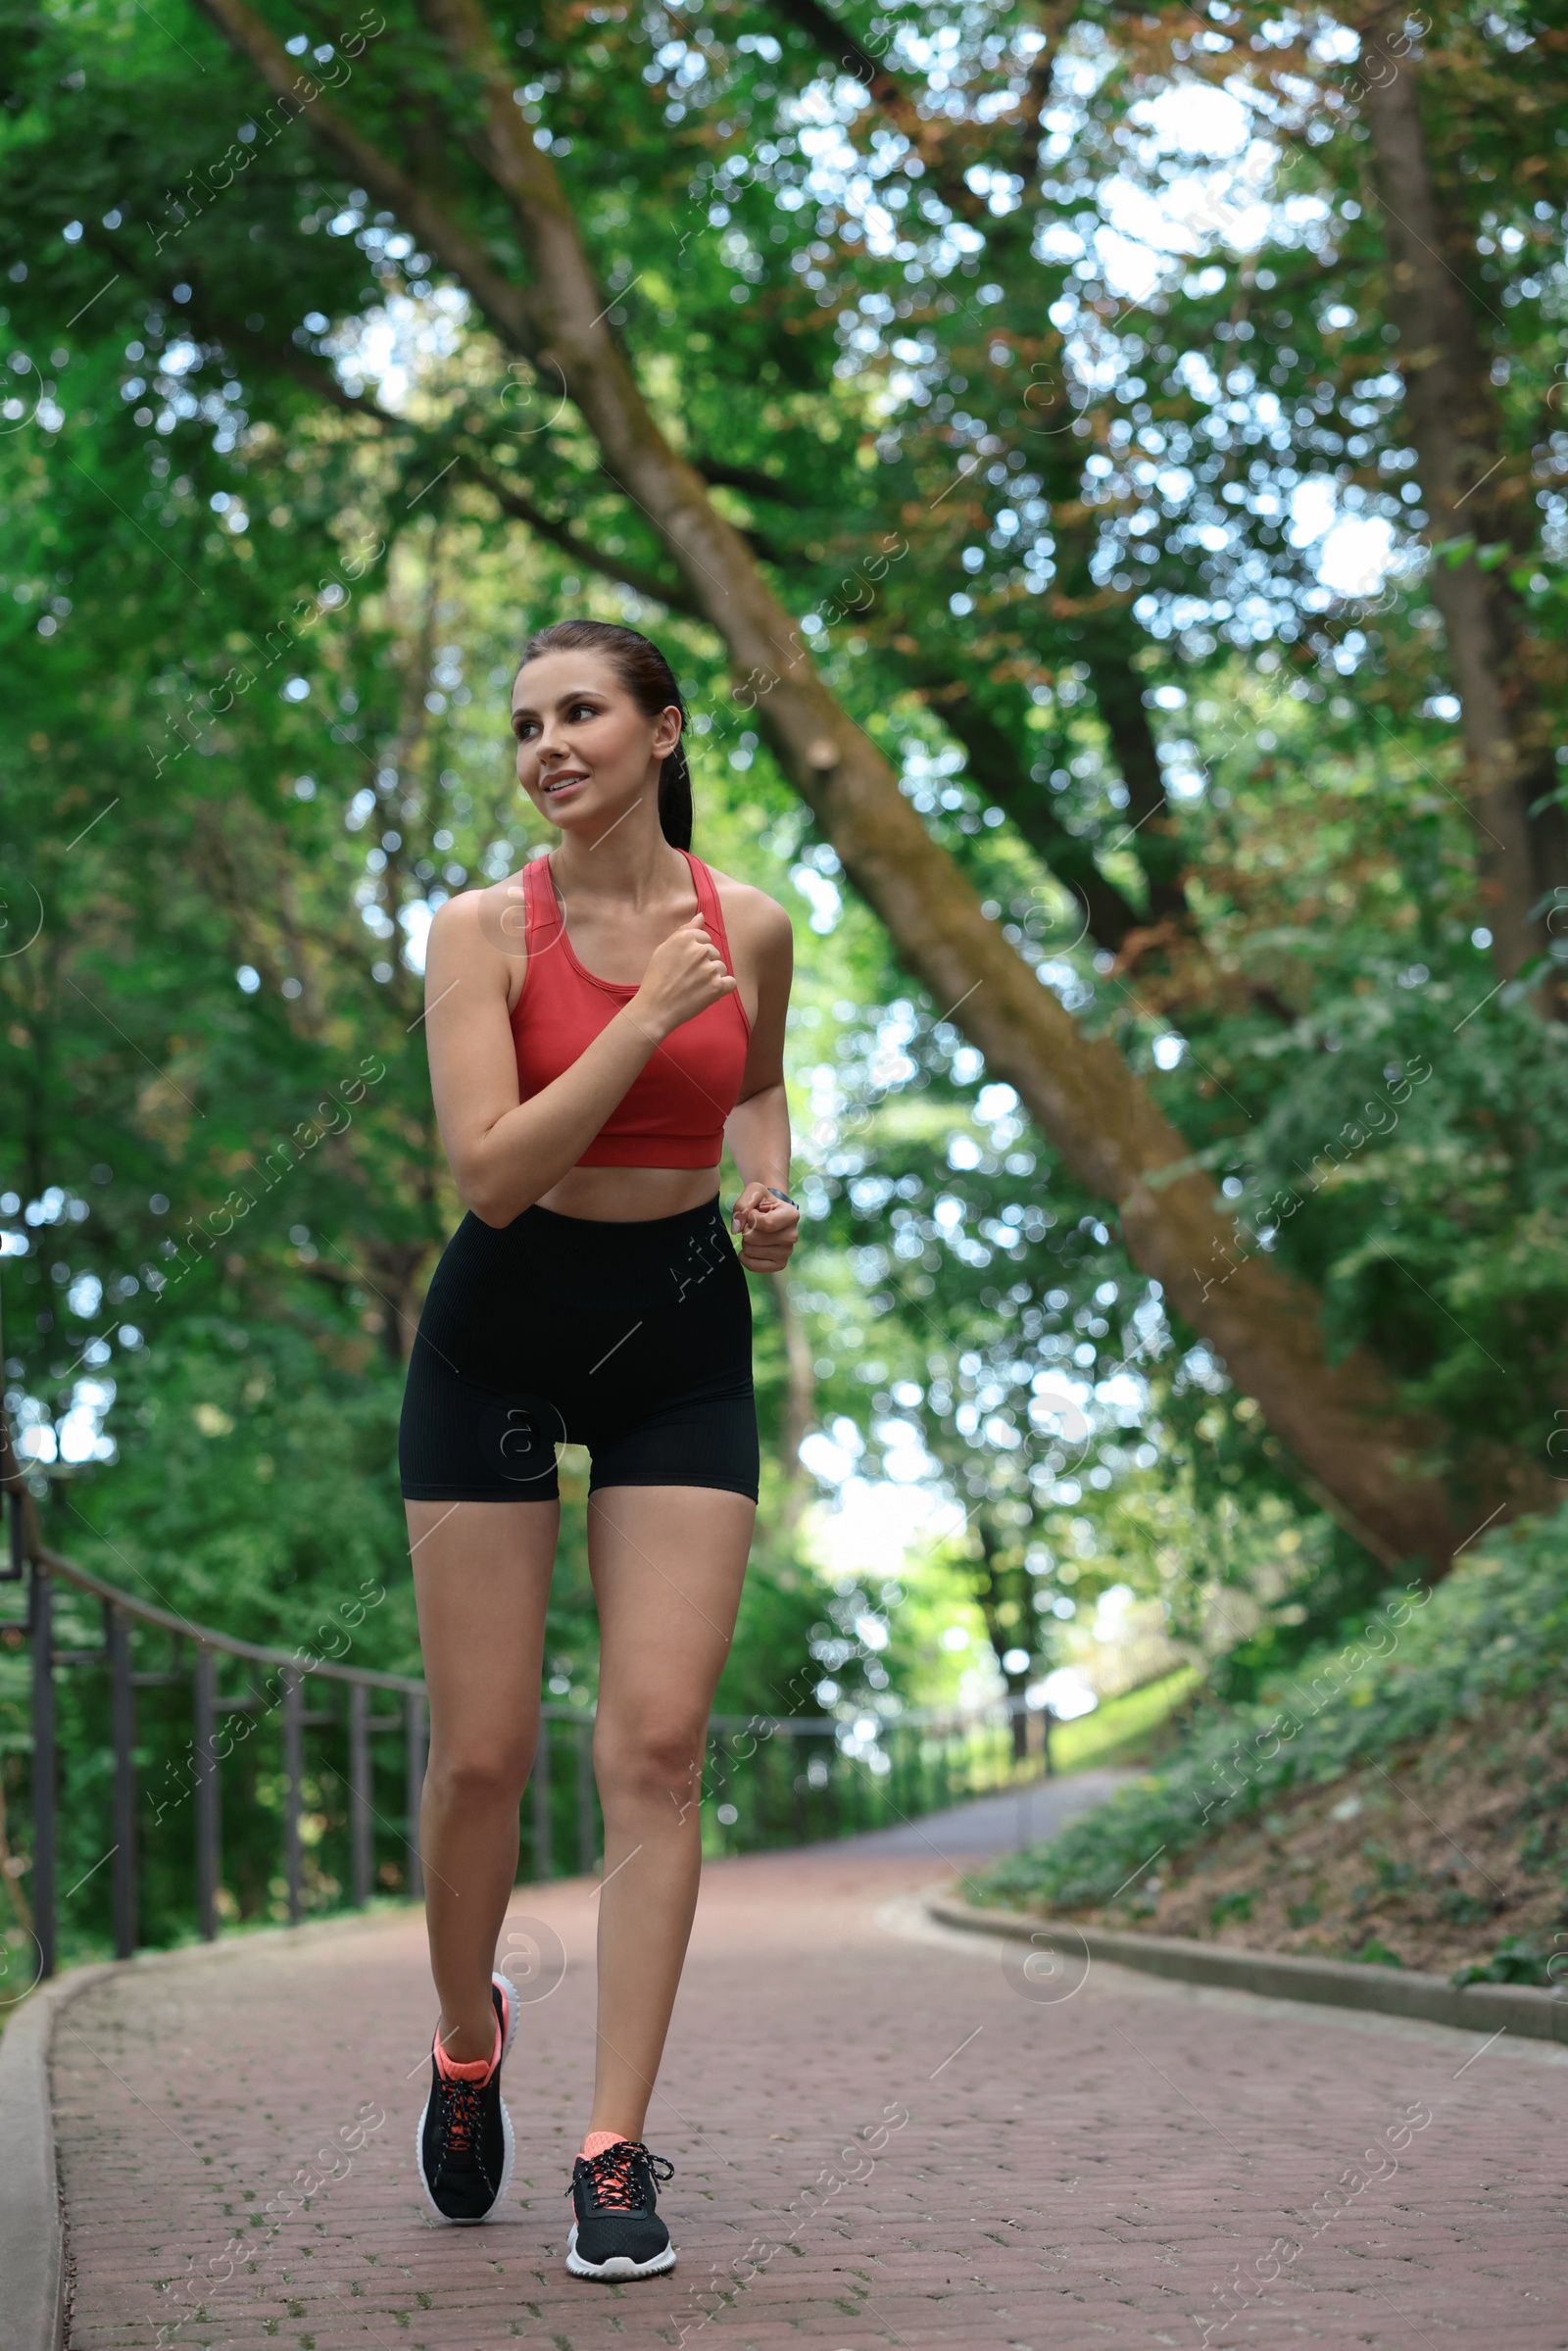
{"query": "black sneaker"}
{"type": "Point", "coordinates": [464, 2146]}
{"type": "Point", "coordinates": [618, 2232]}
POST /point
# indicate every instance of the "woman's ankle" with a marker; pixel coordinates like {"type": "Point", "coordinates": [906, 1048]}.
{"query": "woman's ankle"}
{"type": "Point", "coordinates": [469, 2040]}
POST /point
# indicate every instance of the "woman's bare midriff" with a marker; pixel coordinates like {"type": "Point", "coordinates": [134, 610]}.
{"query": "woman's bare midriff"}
{"type": "Point", "coordinates": [631, 1195]}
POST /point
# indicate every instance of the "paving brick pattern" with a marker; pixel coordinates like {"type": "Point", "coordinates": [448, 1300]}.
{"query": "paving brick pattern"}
{"type": "Point", "coordinates": [883, 2133]}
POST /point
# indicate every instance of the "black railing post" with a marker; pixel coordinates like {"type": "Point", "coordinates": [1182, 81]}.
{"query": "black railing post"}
{"type": "Point", "coordinates": [359, 1791]}
{"type": "Point", "coordinates": [17, 1566]}
{"type": "Point", "coordinates": [539, 1787]}
{"type": "Point", "coordinates": [44, 1785]}
{"type": "Point", "coordinates": [208, 1866]}
{"type": "Point", "coordinates": [122, 1703]}
{"type": "Point", "coordinates": [1046, 1718]}
{"type": "Point", "coordinates": [413, 1715]}
{"type": "Point", "coordinates": [587, 1829]}
{"type": "Point", "coordinates": [293, 1793]}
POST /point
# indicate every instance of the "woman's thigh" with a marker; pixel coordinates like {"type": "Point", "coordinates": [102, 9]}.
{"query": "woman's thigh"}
{"type": "Point", "coordinates": [668, 1564]}
{"type": "Point", "coordinates": [481, 1585]}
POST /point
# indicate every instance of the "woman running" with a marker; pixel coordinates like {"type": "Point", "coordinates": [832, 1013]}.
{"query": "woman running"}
{"type": "Point", "coordinates": [599, 1029]}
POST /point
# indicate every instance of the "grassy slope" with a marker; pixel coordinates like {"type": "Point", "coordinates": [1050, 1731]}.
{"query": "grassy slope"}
{"type": "Point", "coordinates": [1122, 1729]}
{"type": "Point", "coordinates": [1398, 1800]}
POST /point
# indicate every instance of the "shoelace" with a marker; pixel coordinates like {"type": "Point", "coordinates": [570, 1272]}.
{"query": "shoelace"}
{"type": "Point", "coordinates": [611, 2174]}
{"type": "Point", "coordinates": [458, 2117]}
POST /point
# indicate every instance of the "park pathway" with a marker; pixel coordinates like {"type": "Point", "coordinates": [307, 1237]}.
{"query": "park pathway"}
{"type": "Point", "coordinates": [883, 2132]}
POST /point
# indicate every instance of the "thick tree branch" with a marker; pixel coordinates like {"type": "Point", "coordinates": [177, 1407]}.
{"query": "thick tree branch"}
{"type": "Point", "coordinates": [749, 481]}
{"type": "Point", "coordinates": [1001, 767]}
{"type": "Point", "coordinates": [472, 464]}
{"type": "Point", "coordinates": [1454, 426]}
{"type": "Point", "coordinates": [507, 305]}
{"type": "Point", "coordinates": [658, 587]}
{"type": "Point", "coordinates": [995, 765]}
{"type": "Point", "coordinates": [930, 138]}
{"type": "Point", "coordinates": [1118, 690]}
{"type": "Point", "coordinates": [840, 47]}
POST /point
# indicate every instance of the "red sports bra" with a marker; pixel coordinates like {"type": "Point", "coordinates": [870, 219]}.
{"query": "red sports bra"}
{"type": "Point", "coordinates": [674, 1112]}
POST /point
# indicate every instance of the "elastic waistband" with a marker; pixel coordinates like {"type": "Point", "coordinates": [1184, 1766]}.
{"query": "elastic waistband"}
{"type": "Point", "coordinates": [658, 1230]}
{"type": "Point", "coordinates": [580, 1263]}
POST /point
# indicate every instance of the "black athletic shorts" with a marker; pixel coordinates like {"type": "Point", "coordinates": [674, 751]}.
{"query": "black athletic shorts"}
{"type": "Point", "coordinates": [634, 1339]}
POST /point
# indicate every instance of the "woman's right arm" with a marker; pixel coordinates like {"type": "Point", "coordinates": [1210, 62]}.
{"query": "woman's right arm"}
{"type": "Point", "coordinates": [505, 1153]}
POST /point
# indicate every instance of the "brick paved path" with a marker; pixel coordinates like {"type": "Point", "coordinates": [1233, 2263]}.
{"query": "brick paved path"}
{"type": "Point", "coordinates": [881, 2136]}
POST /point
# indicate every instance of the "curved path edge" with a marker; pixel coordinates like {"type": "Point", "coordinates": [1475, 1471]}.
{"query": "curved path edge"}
{"type": "Point", "coordinates": [34, 2270]}
{"type": "Point", "coordinates": [32, 2230]}
{"type": "Point", "coordinates": [1334, 1982]}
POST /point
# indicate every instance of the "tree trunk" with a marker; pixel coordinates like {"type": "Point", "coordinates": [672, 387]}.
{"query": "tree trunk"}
{"type": "Point", "coordinates": [1343, 1420]}
{"type": "Point", "coordinates": [800, 1406]}
{"type": "Point", "coordinates": [994, 1594]}
{"type": "Point", "coordinates": [1456, 430]}
{"type": "Point", "coordinates": [395, 1270]}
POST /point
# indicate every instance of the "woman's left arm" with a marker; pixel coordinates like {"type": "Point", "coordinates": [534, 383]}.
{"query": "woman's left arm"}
{"type": "Point", "coordinates": [757, 1129]}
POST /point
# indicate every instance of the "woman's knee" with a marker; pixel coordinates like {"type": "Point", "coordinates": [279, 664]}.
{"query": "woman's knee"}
{"type": "Point", "coordinates": [467, 1773]}
{"type": "Point", "coordinates": [655, 1759]}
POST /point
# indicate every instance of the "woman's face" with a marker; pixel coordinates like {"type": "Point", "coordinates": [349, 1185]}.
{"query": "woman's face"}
{"type": "Point", "coordinates": [585, 751]}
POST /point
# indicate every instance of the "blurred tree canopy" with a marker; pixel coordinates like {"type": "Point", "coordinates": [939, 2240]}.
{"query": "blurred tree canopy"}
{"type": "Point", "coordinates": [1146, 428]}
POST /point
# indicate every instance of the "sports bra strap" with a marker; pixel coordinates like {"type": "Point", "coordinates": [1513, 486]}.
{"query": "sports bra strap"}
{"type": "Point", "coordinates": [544, 921]}
{"type": "Point", "coordinates": [707, 904]}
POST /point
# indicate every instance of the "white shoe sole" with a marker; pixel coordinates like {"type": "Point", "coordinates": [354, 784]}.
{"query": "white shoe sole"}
{"type": "Point", "coordinates": [446, 2218]}
{"type": "Point", "coordinates": [619, 2265]}
{"type": "Point", "coordinates": [510, 1993]}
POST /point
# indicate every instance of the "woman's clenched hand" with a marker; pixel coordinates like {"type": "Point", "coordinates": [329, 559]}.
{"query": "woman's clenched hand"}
{"type": "Point", "coordinates": [769, 1228]}
{"type": "Point", "coordinates": [685, 974]}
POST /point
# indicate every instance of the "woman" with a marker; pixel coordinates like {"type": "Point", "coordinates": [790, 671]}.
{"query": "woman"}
{"type": "Point", "coordinates": [598, 1029]}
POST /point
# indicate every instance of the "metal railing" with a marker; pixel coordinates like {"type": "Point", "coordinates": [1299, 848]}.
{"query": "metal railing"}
{"type": "Point", "coordinates": [767, 1780]}
{"type": "Point", "coordinates": [195, 1653]}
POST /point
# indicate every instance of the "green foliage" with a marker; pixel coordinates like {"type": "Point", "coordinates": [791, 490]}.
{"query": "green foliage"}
{"type": "Point", "coordinates": [770, 1668]}
{"type": "Point", "coordinates": [1124, 1729]}
{"type": "Point", "coordinates": [257, 1485]}
{"type": "Point", "coordinates": [1374, 1954]}
{"type": "Point", "coordinates": [1496, 1632]}
{"type": "Point", "coordinates": [1516, 1960]}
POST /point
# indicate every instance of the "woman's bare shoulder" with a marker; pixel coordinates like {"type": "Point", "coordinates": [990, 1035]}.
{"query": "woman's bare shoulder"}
{"type": "Point", "coordinates": [482, 928]}
{"type": "Point", "coordinates": [750, 912]}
